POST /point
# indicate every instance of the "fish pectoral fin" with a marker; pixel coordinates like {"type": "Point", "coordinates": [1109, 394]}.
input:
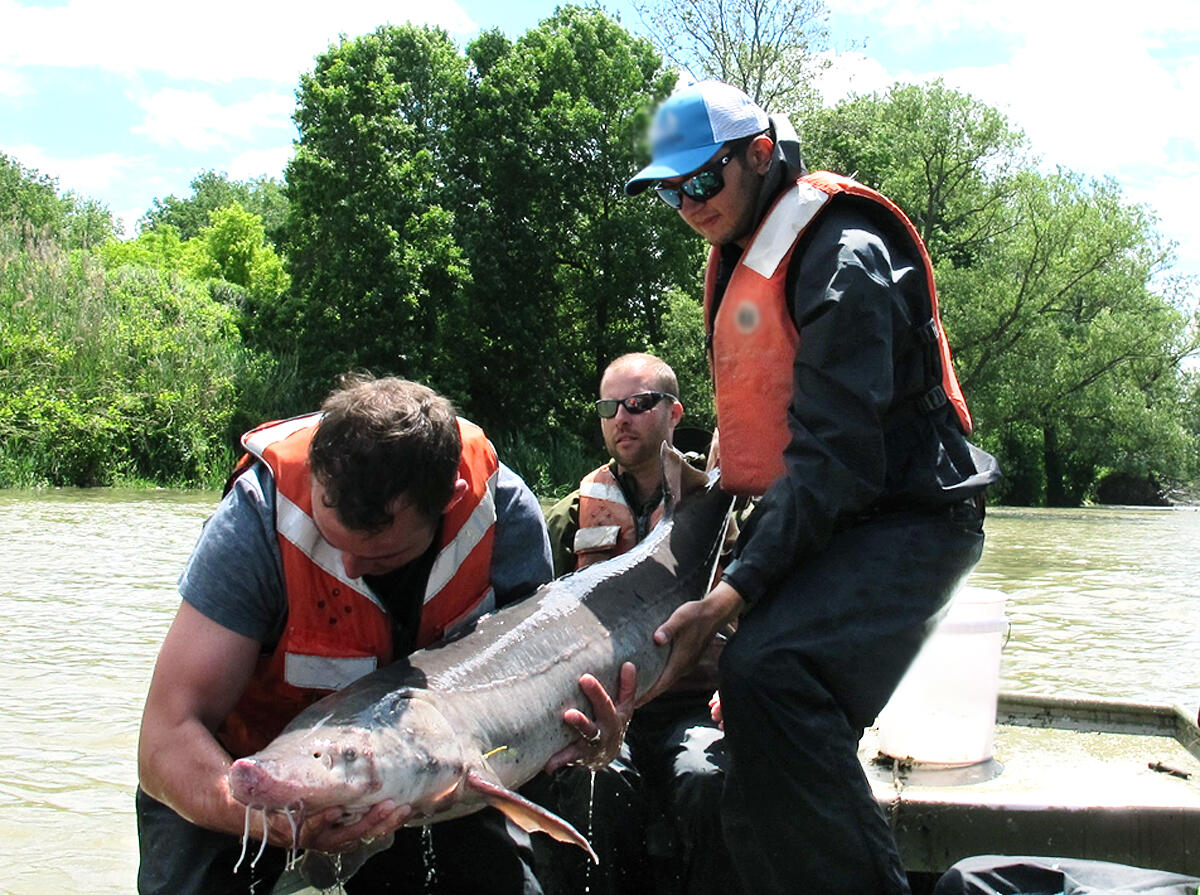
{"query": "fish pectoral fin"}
{"type": "Point", "coordinates": [530, 817]}
{"type": "Point", "coordinates": [325, 871]}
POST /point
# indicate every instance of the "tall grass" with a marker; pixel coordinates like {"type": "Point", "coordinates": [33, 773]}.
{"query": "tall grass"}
{"type": "Point", "coordinates": [110, 377]}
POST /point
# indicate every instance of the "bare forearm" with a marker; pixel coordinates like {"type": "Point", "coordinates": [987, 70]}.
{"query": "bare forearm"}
{"type": "Point", "coordinates": [185, 768]}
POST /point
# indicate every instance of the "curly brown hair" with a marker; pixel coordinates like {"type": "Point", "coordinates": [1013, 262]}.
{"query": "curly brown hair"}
{"type": "Point", "coordinates": [380, 439]}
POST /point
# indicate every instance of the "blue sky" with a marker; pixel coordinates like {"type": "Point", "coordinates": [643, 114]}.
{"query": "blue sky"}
{"type": "Point", "coordinates": [126, 100]}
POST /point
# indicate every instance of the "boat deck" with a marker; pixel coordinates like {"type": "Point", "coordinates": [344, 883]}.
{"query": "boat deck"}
{"type": "Point", "coordinates": [1069, 778]}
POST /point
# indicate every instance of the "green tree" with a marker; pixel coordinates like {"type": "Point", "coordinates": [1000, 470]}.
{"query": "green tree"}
{"type": "Point", "coordinates": [567, 272]}
{"type": "Point", "coordinates": [771, 49]}
{"type": "Point", "coordinates": [234, 248]}
{"type": "Point", "coordinates": [108, 376]}
{"type": "Point", "coordinates": [32, 200]}
{"type": "Point", "coordinates": [29, 197]}
{"type": "Point", "coordinates": [682, 346]}
{"type": "Point", "coordinates": [212, 190]}
{"type": "Point", "coordinates": [1068, 353]}
{"type": "Point", "coordinates": [947, 159]}
{"type": "Point", "coordinates": [160, 248]}
{"type": "Point", "coordinates": [371, 249]}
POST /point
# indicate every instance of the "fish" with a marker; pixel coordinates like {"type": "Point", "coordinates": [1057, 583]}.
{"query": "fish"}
{"type": "Point", "coordinates": [461, 725]}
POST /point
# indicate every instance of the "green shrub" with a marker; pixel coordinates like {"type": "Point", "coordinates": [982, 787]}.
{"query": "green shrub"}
{"type": "Point", "coordinates": [108, 376]}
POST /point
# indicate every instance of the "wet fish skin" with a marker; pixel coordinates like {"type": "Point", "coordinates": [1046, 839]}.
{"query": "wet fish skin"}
{"type": "Point", "coordinates": [463, 724]}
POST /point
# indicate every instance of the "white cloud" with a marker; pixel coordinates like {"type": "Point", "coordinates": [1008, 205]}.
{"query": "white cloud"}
{"type": "Point", "coordinates": [851, 73]}
{"type": "Point", "coordinates": [13, 84]}
{"type": "Point", "coordinates": [1089, 107]}
{"type": "Point", "coordinates": [88, 176]}
{"type": "Point", "coordinates": [1060, 19]}
{"type": "Point", "coordinates": [196, 120]}
{"type": "Point", "coordinates": [219, 41]}
{"type": "Point", "coordinates": [1174, 197]}
{"type": "Point", "coordinates": [127, 222]}
{"type": "Point", "coordinates": [261, 162]}
{"type": "Point", "coordinates": [1095, 89]}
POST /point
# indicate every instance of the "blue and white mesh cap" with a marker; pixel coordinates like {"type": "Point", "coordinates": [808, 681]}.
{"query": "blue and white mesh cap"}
{"type": "Point", "coordinates": [691, 125]}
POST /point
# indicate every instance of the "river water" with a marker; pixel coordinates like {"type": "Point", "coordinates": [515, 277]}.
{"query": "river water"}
{"type": "Point", "coordinates": [1103, 602]}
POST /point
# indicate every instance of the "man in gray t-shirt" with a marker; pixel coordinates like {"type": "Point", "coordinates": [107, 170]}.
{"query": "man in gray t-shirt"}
{"type": "Point", "coordinates": [355, 505]}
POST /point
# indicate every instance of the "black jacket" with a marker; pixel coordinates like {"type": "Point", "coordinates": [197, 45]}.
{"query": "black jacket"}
{"type": "Point", "coordinates": [860, 445]}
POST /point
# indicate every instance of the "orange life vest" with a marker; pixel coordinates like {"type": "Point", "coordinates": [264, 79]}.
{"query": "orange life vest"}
{"type": "Point", "coordinates": [753, 338]}
{"type": "Point", "coordinates": [604, 510]}
{"type": "Point", "coordinates": [337, 629]}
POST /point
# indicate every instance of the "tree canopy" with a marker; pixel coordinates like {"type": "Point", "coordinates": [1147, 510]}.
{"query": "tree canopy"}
{"type": "Point", "coordinates": [211, 190]}
{"type": "Point", "coordinates": [457, 217]}
{"type": "Point", "coordinates": [1067, 352]}
{"type": "Point", "coordinates": [771, 50]}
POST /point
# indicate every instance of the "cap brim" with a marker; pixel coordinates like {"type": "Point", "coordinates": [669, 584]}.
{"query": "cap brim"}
{"type": "Point", "coordinates": [674, 165]}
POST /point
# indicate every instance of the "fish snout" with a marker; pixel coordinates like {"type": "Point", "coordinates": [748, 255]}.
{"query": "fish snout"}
{"type": "Point", "coordinates": [250, 782]}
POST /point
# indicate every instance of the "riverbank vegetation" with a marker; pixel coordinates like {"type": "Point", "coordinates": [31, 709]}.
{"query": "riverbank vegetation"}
{"type": "Point", "coordinates": [456, 217]}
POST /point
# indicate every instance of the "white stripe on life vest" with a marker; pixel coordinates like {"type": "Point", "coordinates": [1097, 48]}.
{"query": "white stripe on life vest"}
{"type": "Point", "coordinates": [299, 529]}
{"type": "Point", "coordinates": [257, 441]}
{"type": "Point", "coordinates": [790, 216]}
{"type": "Point", "coordinates": [324, 672]}
{"type": "Point", "coordinates": [452, 556]}
{"type": "Point", "coordinates": [602, 491]}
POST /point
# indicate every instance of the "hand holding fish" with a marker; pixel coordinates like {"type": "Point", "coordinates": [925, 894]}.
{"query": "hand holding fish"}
{"type": "Point", "coordinates": [690, 630]}
{"type": "Point", "coordinates": [602, 737]}
{"type": "Point", "coordinates": [341, 835]}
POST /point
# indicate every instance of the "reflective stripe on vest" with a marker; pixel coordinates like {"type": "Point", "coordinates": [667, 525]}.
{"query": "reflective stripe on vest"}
{"type": "Point", "coordinates": [337, 629]}
{"type": "Point", "coordinates": [473, 531]}
{"type": "Point", "coordinates": [311, 672]}
{"type": "Point", "coordinates": [298, 528]}
{"type": "Point", "coordinates": [598, 490]}
{"type": "Point", "coordinates": [602, 503]}
{"type": "Point", "coordinates": [792, 213]}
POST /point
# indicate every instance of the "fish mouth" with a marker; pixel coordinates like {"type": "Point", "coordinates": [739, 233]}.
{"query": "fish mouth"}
{"type": "Point", "coordinates": [259, 785]}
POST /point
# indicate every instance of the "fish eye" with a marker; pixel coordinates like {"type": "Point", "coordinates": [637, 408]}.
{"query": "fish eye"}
{"type": "Point", "coordinates": [349, 754]}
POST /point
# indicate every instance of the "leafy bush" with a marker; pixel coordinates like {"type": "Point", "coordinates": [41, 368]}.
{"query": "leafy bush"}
{"type": "Point", "coordinates": [110, 376]}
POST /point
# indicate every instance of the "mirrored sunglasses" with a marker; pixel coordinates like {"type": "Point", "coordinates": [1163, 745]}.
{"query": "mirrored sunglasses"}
{"type": "Point", "coordinates": [639, 403]}
{"type": "Point", "coordinates": [701, 186]}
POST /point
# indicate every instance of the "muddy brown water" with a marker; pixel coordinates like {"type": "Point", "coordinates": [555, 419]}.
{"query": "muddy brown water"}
{"type": "Point", "coordinates": [1102, 601]}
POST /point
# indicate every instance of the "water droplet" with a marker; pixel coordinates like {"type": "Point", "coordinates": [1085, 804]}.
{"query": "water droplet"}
{"type": "Point", "coordinates": [427, 856]}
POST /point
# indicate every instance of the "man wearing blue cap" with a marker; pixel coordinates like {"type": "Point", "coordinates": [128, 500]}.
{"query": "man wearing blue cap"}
{"type": "Point", "coordinates": [838, 408]}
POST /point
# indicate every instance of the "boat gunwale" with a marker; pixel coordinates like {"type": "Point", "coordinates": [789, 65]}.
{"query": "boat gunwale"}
{"type": "Point", "coordinates": [1096, 714]}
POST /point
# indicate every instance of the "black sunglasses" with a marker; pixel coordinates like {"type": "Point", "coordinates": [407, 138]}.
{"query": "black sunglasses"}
{"type": "Point", "coordinates": [706, 182]}
{"type": "Point", "coordinates": [701, 186]}
{"type": "Point", "coordinates": [639, 403]}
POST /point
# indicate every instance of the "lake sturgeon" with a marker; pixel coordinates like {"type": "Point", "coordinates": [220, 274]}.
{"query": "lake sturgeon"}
{"type": "Point", "coordinates": [461, 725]}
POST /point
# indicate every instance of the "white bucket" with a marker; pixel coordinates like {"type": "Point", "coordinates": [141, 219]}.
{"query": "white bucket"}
{"type": "Point", "coordinates": [944, 711]}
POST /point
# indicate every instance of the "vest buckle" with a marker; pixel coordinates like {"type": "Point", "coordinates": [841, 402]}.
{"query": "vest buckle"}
{"type": "Point", "coordinates": [932, 399]}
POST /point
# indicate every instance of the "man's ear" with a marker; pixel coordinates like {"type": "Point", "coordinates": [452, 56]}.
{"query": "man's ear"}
{"type": "Point", "coordinates": [676, 413]}
{"type": "Point", "coordinates": [759, 151]}
{"type": "Point", "coordinates": [460, 491]}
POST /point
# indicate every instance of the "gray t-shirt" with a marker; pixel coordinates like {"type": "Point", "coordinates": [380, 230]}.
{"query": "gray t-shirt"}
{"type": "Point", "coordinates": [235, 573]}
